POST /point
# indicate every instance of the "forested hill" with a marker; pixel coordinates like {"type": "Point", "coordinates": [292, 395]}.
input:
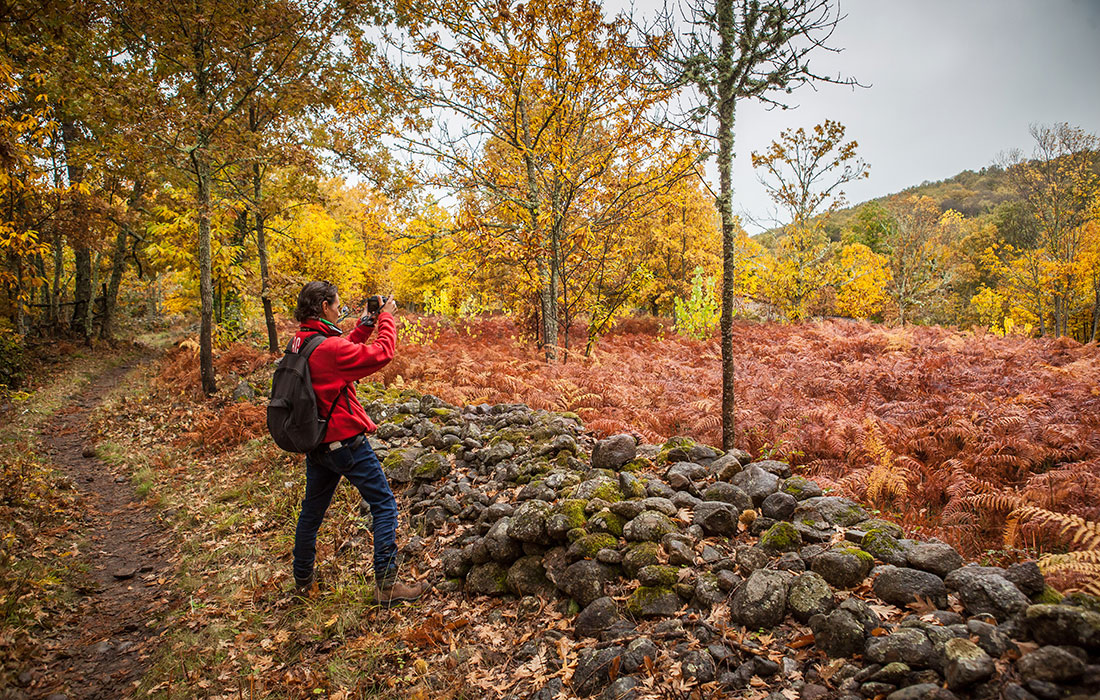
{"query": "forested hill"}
{"type": "Point", "coordinates": [971, 193]}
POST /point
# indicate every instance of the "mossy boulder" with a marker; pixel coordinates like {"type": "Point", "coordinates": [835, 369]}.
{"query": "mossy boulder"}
{"type": "Point", "coordinates": [676, 449]}
{"type": "Point", "coordinates": [589, 545]}
{"type": "Point", "coordinates": [658, 575]}
{"type": "Point", "coordinates": [603, 487]}
{"type": "Point", "coordinates": [527, 577]}
{"type": "Point", "coordinates": [529, 522]}
{"type": "Point", "coordinates": [800, 487]}
{"type": "Point", "coordinates": [653, 601]}
{"type": "Point", "coordinates": [565, 516]}
{"type": "Point", "coordinates": [844, 567]}
{"type": "Point", "coordinates": [431, 467]}
{"type": "Point", "coordinates": [840, 512]}
{"type": "Point", "coordinates": [636, 465]}
{"type": "Point", "coordinates": [487, 579]}
{"type": "Point", "coordinates": [809, 595]}
{"type": "Point", "coordinates": [781, 537]}
{"type": "Point", "coordinates": [639, 555]}
{"type": "Point", "coordinates": [606, 521]}
{"type": "Point", "coordinates": [398, 464]}
{"type": "Point", "coordinates": [649, 526]}
{"type": "Point", "coordinates": [885, 547]}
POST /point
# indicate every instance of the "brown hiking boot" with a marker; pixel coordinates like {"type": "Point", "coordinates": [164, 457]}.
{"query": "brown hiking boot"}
{"type": "Point", "coordinates": [306, 588]}
{"type": "Point", "coordinates": [398, 593]}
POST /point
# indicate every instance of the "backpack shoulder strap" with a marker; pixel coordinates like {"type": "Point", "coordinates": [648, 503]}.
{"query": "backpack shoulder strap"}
{"type": "Point", "coordinates": [312, 343]}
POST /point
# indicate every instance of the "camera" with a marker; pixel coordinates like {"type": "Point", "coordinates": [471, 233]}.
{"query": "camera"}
{"type": "Point", "coordinates": [375, 303]}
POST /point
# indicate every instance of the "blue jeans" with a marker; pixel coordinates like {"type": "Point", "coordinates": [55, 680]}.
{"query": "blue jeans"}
{"type": "Point", "coordinates": [360, 466]}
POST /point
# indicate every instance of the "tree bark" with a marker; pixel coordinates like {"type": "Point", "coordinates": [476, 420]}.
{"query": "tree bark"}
{"type": "Point", "coordinates": [265, 274]}
{"type": "Point", "coordinates": [727, 103]}
{"type": "Point", "coordinates": [118, 266]}
{"type": "Point", "coordinates": [82, 284]}
{"type": "Point", "coordinates": [547, 269]}
{"type": "Point", "coordinates": [201, 164]}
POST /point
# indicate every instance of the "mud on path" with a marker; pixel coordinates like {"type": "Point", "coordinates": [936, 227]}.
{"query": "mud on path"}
{"type": "Point", "coordinates": [102, 651]}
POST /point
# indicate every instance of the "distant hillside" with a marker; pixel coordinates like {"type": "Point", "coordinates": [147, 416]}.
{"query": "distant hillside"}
{"type": "Point", "coordinates": [970, 193]}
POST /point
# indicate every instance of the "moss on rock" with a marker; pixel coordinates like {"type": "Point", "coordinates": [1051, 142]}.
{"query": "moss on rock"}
{"type": "Point", "coordinates": [573, 509]}
{"type": "Point", "coordinates": [606, 521]}
{"type": "Point", "coordinates": [587, 546]}
{"type": "Point", "coordinates": [781, 537]}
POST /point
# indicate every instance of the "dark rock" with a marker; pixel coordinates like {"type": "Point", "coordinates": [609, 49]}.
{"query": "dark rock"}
{"type": "Point", "coordinates": [1027, 577]}
{"type": "Point", "coordinates": [789, 561]}
{"type": "Point", "coordinates": [901, 586]}
{"type": "Point", "coordinates": [751, 558]}
{"type": "Point", "coordinates": [935, 557]}
{"type": "Point", "coordinates": [1063, 624]}
{"type": "Point", "coordinates": [884, 547]}
{"type": "Point", "coordinates": [596, 617]}
{"type": "Point", "coordinates": [991, 639]}
{"type": "Point", "coordinates": [895, 674]}
{"type": "Point", "coordinates": [650, 526]}
{"type": "Point", "coordinates": [242, 392]}
{"type": "Point", "coordinates": [658, 575]}
{"type": "Point", "coordinates": [708, 592]}
{"type": "Point", "coordinates": [602, 487]}
{"type": "Point", "coordinates": [965, 663]}
{"type": "Point", "coordinates": [781, 537]}
{"type": "Point", "coordinates": [606, 521]}
{"type": "Point", "coordinates": [922, 691]}
{"type": "Point", "coordinates": [778, 506]}
{"type": "Point", "coordinates": [762, 600]}
{"type": "Point", "coordinates": [809, 595]}
{"type": "Point", "coordinates": [613, 452]}
{"type": "Point", "coordinates": [589, 546]}
{"type": "Point", "coordinates": [527, 577]}
{"type": "Point", "coordinates": [499, 545]}
{"type": "Point", "coordinates": [873, 689]}
{"type": "Point", "coordinates": [698, 666]}
{"type": "Point", "coordinates": [947, 617]}
{"type": "Point", "coordinates": [759, 525]}
{"type": "Point", "coordinates": [659, 504]}
{"type": "Point", "coordinates": [1050, 663]}
{"type": "Point", "coordinates": [593, 672]}
{"type": "Point", "coordinates": [487, 579]}
{"type": "Point", "coordinates": [832, 510]}
{"type": "Point", "coordinates": [680, 553]}
{"type": "Point", "coordinates": [812, 691]}
{"type": "Point", "coordinates": [529, 522]}
{"type": "Point", "coordinates": [1014, 691]}
{"type": "Point", "coordinates": [725, 467]}
{"type": "Point", "coordinates": [780, 469]}
{"type": "Point", "coordinates": [681, 476]}
{"type": "Point", "coordinates": [716, 517]}
{"type": "Point", "coordinates": [647, 601]}
{"type": "Point", "coordinates": [631, 486]}
{"type": "Point", "coordinates": [584, 581]}
{"type": "Point", "coordinates": [838, 634]}
{"type": "Point", "coordinates": [907, 645]}
{"type": "Point", "coordinates": [627, 510]}
{"type": "Point", "coordinates": [728, 580]}
{"type": "Point", "coordinates": [801, 488]}
{"type": "Point", "coordinates": [756, 482]}
{"type": "Point", "coordinates": [984, 592]}
{"type": "Point", "coordinates": [640, 555]}
{"type": "Point", "coordinates": [636, 654]}
{"type": "Point", "coordinates": [1045, 690]}
{"type": "Point", "coordinates": [497, 453]}
{"type": "Point", "coordinates": [622, 688]}
{"type": "Point", "coordinates": [843, 568]}
{"type": "Point", "coordinates": [431, 467]}
{"type": "Point", "coordinates": [728, 493]}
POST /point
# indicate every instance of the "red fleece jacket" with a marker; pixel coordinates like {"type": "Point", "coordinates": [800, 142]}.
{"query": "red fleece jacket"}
{"type": "Point", "coordinates": [339, 361]}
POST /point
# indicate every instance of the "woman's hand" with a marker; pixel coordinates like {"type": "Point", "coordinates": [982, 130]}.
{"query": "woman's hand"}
{"type": "Point", "coordinates": [390, 306]}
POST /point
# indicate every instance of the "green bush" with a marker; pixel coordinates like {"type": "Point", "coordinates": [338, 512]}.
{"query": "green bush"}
{"type": "Point", "coordinates": [698, 314]}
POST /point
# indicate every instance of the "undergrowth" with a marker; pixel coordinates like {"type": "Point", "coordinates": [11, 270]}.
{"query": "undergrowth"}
{"type": "Point", "coordinates": [38, 510]}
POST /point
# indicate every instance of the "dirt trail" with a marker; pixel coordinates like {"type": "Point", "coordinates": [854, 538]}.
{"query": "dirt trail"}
{"type": "Point", "coordinates": [104, 649]}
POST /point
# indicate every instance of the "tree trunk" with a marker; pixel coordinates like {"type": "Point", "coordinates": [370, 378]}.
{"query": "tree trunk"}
{"type": "Point", "coordinates": [82, 285]}
{"type": "Point", "coordinates": [55, 296]}
{"type": "Point", "coordinates": [548, 292]}
{"type": "Point", "coordinates": [82, 293]}
{"type": "Point", "coordinates": [265, 275]}
{"type": "Point", "coordinates": [118, 266]}
{"type": "Point", "coordinates": [199, 159]}
{"type": "Point", "coordinates": [727, 104]}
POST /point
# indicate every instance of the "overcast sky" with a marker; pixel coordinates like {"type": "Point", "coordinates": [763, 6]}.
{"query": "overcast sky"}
{"type": "Point", "coordinates": [953, 83]}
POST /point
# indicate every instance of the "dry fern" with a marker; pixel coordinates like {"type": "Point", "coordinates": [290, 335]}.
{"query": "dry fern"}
{"type": "Point", "coordinates": [1082, 565]}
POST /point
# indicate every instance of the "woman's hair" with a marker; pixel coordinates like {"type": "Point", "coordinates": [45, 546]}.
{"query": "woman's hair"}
{"type": "Point", "coordinates": [310, 299]}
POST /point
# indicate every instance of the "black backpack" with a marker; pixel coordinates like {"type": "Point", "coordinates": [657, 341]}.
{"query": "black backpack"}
{"type": "Point", "coordinates": [292, 416]}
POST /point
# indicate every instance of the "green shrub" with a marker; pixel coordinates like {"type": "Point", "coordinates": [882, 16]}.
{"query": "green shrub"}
{"type": "Point", "coordinates": [698, 314]}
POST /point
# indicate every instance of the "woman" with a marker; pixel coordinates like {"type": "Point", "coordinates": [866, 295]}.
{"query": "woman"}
{"type": "Point", "coordinates": [345, 451]}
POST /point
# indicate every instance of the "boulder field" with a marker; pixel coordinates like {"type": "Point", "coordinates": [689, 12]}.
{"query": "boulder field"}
{"type": "Point", "coordinates": [685, 551]}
